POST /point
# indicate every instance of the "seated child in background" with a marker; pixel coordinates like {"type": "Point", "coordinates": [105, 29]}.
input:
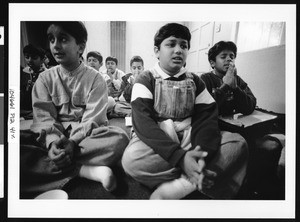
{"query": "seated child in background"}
{"type": "Point", "coordinates": [136, 67]}
{"type": "Point", "coordinates": [49, 60]}
{"type": "Point", "coordinates": [94, 59]}
{"type": "Point", "coordinates": [71, 136]}
{"type": "Point", "coordinates": [123, 107]}
{"type": "Point", "coordinates": [115, 77]}
{"type": "Point", "coordinates": [176, 146]}
{"type": "Point", "coordinates": [231, 93]}
{"type": "Point", "coordinates": [34, 58]}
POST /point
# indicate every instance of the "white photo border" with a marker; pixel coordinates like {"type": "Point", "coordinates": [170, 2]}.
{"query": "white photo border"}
{"type": "Point", "coordinates": [145, 208]}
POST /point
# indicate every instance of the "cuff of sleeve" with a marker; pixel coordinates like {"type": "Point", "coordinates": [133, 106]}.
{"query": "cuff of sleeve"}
{"type": "Point", "coordinates": [50, 138]}
{"type": "Point", "coordinates": [175, 158]}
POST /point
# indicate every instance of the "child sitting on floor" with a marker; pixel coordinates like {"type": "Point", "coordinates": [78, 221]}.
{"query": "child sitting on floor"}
{"type": "Point", "coordinates": [176, 147]}
{"type": "Point", "coordinates": [136, 67]}
{"type": "Point", "coordinates": [94, 59]}
{"type": "Point", "coordinates": [123, 107]}
{"type": "Point", "coordinates": [70, 136]}
{"type": "Point", "coordinates": [115, 77]}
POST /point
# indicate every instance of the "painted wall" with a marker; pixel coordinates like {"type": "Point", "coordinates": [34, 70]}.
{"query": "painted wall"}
{"type": "Point", "coordinates": [98, 39]}
{"type": "Point", "coordinates": [140, 42]}
{"type": "Point", "coordinates": [264, 71]}
{"type": "Point", "coordinates": [224, 31]}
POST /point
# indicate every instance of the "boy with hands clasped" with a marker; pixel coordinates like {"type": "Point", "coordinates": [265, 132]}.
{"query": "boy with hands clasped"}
{"type": "Point", "coordinates": [231, 93]}
{"type": "Point", "coordinates": [176, 147]}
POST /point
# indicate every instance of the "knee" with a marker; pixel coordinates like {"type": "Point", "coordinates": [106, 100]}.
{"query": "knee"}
{"type": "Point", "coordinates": [237, 145]}
{"type": "Point", "coordinates": [111, 104]}
{"type": "Point", "coordinates": [241, 147]}
{"type": "Point", "coordinates": [120, 137]}
{"type": "Point", "coordinates": [129, 162]}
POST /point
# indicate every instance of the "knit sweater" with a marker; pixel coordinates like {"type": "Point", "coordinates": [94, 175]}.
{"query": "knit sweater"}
{"type": "Point", "coordinates": [60, 96]}
{"type": "Point", "coordinates": [204, 124]}
{"type": "Point", "coordinates": [242, 99]}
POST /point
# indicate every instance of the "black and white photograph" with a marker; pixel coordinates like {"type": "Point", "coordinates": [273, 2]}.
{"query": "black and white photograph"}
{"type": "Point", "coordinates": [152, 111]}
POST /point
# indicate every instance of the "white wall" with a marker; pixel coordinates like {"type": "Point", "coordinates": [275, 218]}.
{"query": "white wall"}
{"type": "Point", "coordinates": [264, 71]}
{"type": "Point", "coordinates": [224, 31]}
{"type": "Point", "coordinates": [139, 36]}
{"type": "Point", "coordinates": [98, 39]}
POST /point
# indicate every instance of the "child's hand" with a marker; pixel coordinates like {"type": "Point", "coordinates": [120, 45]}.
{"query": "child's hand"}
{"type": "Point", "coordinates": [190, 166]}
{"type": "Point", "coordinates": [230, 77]}
{"type": "Point", "coordinates": [56, 154]}
{"type": "Point", "coordinates": [61, 152]}
{"type": "Point", "coordinates": [69, 147]}
{"type": "Point", "coordinates": [201, 163]}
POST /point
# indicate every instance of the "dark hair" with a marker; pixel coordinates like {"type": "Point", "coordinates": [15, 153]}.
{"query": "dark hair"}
{"type": "Point", "coordinates": [136, 59]}
{"type": "Point", "coordinates": [34, 50]}
{"type": "Point", "coordinates": [96, 55]}
{"type": "Point", "coordinates": [75, 29]}
{"type": "Point", "coordinates": [111, 58]}
{"type": "Point", "coordinates": [219, 47]}
{"type": "Point", "coordinates": [172, 29]}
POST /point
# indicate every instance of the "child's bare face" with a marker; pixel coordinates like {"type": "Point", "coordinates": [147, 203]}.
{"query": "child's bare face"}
{"type": "Point", "coordinates": [172, 54]}
{"type": "Point", "coordinates": [63, 47]}
{"type": "Point", "coordinates": [136, 68]}
{"type": "Point", "coordinates": [111, 67]}
{"type": "Point", "coordinates": [224, 59]}
{"type": "Point", "coordinates": [94, 63]}
{"type": "Point", "coordinates": [33, 61]}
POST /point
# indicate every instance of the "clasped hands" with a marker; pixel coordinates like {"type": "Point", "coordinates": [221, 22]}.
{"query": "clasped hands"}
{"type": "Point", "coordinates": [61, 152]}
{"type": "Point", "coordinates": [193, 164]}
{"type": "Point", "coordinates": [230, 76]}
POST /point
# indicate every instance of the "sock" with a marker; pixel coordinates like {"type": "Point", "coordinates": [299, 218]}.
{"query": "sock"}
{"type": "Point", "coordinates": [53, 194]}
{"type": "Point", "coordinates": [175, 189]}
{"type": "Point", "coordinates": [102, 174]}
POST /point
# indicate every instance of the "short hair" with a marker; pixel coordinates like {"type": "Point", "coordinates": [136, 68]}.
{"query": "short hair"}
{"type": "Point", "coordinates": [136, 59]}
{"type": "Point", "coordinates": [76, 29]}
{"type": "Point", "coordinates": [219, 47]}
{"type": "Point", "coordinates": [172, 29]}
{"type": "Point", "coordinates": [111, 58]}
{"type": "Point", "coordinates": [96, 55]}
{"type": "Point", "coordinates": [34, 50]}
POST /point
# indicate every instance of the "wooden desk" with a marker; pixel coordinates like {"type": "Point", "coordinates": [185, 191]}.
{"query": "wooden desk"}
{"type": "Point", "coordinates": [252, 126]}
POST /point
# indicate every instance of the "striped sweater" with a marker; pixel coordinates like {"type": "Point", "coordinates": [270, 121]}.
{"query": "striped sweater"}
{"type": "Point", "coordinates": [205, 131]}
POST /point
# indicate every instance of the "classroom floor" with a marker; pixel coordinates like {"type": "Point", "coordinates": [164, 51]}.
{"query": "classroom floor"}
{"type": "Point", "coordinates": [128, 188]}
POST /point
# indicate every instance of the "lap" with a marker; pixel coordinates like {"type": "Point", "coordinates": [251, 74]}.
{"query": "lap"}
{"type": "Point", "coordinates": [143, 157]}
